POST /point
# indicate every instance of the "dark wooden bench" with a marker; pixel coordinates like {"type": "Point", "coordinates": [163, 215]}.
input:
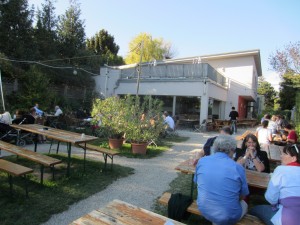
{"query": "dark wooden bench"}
{"type": "Point", "coordinates": [41, 159]}
{"type": "Point", "coordinates": [106, 152]}
{"type": "Point", "coordinates": [15, 170]}
{"type": "Point", "coordinates": [193, 208]}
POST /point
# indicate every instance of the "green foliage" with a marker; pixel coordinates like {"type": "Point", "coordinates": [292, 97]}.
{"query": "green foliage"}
{"type": "Point", "coordinates": [297, 115]}
{"type": "Point", "coordinates": [290, 83]}
{"type": "Point", "coordinates": [266, 89]}
{"type": "Point", "coordinates": [151, 49]}
{"type": "Point", "coordinates": [70, 31]}
{"type": "Point", "coordinates": [143, 120]}
{"type": "Point", "coordinates": [111, 112]}
{"type": "Point", "coordinates": [16, 29]}
{"type": "Point", "coordinates": [35, 89]}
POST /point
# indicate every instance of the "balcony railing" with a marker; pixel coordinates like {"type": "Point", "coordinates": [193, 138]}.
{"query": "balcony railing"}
{"type": "Point", "coordinates": [175, 71]}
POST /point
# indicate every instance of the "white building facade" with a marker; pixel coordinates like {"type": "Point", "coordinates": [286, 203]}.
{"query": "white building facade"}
{"type": "Point", "coordinates": [203, 86]}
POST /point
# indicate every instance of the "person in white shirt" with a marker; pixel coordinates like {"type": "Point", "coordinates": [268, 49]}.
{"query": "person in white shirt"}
{"type": "Point", "coordinates": [264, 136]}
{"type": "Point", "coordinates": [169, 121]}
{"type": "Point", "coordinates": [58, 111]}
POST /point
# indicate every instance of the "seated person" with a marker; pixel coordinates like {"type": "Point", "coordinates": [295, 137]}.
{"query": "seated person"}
{"type": "Point", "coordinates": [6, 118]}
{"type": "Point", "coordinates": [30, 117]}
{"type": "Point", "coordinates": [221, 184]}
{"type": "Point", "coordinates": [226, 130]}
{"type": "Point", "coordinates": [263, 134]}
{"type": "Point", "coordinates": [292, 136]}
{"type": "Point", "coordinates": [5, 122]}
{"type": "Point", "coordinates": [169, 121]}
{"type": "Point", "coordinates": [19, 116]}
{"type": "Point", "coordinates": [37, 110]}
{"type": "Point", "coordinates": [251, 157]}
{"type": "Point", "coordinates": [58, 111]}
{"type": "Point", "coordinates": [283, 191]}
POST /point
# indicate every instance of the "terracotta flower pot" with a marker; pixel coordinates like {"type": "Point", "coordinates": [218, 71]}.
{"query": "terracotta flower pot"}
{"type": "Point", "coordinates": [139, 148]}
{"type": "Point", "coordinates": [115, 143]}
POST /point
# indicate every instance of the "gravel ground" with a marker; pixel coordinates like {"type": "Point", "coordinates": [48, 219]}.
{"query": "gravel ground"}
{"type": "Point", "coordinates": [151, 178]}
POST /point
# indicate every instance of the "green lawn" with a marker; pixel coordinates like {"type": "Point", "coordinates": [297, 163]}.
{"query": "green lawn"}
{"type": "Point", "coordinates": [152, 151]}
{"type": "Point", "coordinates": [55, 196]}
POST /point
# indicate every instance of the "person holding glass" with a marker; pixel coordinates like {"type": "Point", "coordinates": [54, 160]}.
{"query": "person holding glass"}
{"type": "Point", "coordinates": [283, 191]}
{"type": "Point", "coordinates": [251, 157]}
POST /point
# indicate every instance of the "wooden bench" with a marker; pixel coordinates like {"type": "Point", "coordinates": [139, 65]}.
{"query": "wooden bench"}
{"type": "Point", "coordinates": [15, 170]}
{"type": "Point", "coordinates": [43, 160]}
{"type": "Point", "coordinates": [193, 208]}
{"type": "Point", "coordinates": [106, 152]}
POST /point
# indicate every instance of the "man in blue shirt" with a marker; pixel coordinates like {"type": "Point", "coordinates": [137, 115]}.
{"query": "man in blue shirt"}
{"type": "Point", "coordinates": [221, 184]}
{"type": "Point", "coordinates": [37, 110]}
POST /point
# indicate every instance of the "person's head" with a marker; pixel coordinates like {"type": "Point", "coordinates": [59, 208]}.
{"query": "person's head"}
{"type": "Point", "coordinates": [274, 118]}
{"type": "Point", "coordinates": [19, 113]}
{"type": "Point", "coordinates": [36, 105]}
{"type": "Point", "coordinates": [290, 154]}
{"type": "Point", "coordinates": [56, 107]}
{"type": "Point", "coordinates": [32, 111]}
{"type": "Point", "coordinates": [288, 127]}
{"type": "Point", "coordinates": [166, 113]}
{"type": "Point", "coordinates": [225, 130]}
{"type": "Point", "coordinates": [226, 144]}
{"type": "Point", "coordinates": [251, 141]}
{"type": "Point", "coordinates": [232, 108]}
{"type": "Point", "coordinates": [268, 116]}
{"type": "Point", "coordinates": [265, 123]}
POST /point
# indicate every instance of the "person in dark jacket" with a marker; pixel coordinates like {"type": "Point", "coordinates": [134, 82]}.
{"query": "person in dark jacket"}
{"type": "Point", "coordinates": [251, 157]}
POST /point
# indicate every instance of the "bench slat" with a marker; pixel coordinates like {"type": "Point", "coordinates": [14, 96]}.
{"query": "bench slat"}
{"type": "Point", "coordinates": [33, 156]}
{"type": "Point", "coordinates": [193, 208]}
{"type": "Point", "coordinates": [13, 168]}
{"type": "Point", "coordinates": [100, 149]}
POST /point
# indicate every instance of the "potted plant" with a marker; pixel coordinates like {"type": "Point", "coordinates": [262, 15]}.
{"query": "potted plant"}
{"type": "Point", "coordinates": [143, 122]}
{"type": "Point", "coordinates": [109, 114]}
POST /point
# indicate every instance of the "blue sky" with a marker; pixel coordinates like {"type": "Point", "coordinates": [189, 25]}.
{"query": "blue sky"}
{"type": "Point", "coordinates": [196, 27]}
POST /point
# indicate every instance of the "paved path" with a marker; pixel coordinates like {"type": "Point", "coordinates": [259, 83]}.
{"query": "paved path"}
{"type": "Point", "coordinates": [151, 178]}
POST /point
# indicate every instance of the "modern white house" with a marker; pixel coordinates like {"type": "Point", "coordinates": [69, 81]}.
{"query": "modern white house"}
{"type": "Point", "coordinates": [207, 86]}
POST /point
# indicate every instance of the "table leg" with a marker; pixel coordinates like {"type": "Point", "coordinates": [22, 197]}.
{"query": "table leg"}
{"type": "Point", "coordinates": [35, 143]}
{"type": "Point", "coordinates": [69, 158]}
{"type": "Point", "coordinates": [84, 156]}
{"type": "Point", "coordinates": [192, 186]}
{"type": "Point", "coordinates": [42, 174]}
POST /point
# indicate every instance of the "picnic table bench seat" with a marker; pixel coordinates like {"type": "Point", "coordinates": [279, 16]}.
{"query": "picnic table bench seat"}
{"type": "Point", "coordinates": [41, 159]}
{"type": "Point", "coordinates": [106, 152]}
{"type": "Point", "coordinates": [15, 170]}
{"type": "Point", "coordinates": [193, 208]}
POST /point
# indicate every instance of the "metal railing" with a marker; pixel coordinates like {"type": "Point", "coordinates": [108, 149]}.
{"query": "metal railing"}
{"type": "Point", "coordinates": [175, 71]}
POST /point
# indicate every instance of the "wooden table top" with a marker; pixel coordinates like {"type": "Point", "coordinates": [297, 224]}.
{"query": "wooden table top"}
{"type": "Point", "coordinates": [121, 213]}
{"type": "Point", "coordinates": [56, 134]}
{"type": "Point", "coordinates": [254, 178]}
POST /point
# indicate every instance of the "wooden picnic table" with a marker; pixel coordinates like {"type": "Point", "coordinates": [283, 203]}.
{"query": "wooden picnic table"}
{"type": "Point", "coordinates": [121, 213]}
{"type": "Point", "coordinates": [254, 178]}
{"type": "Point", "coordinates": [59, 135]}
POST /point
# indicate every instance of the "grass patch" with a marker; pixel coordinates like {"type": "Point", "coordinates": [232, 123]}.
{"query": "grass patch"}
{"type": "Point", "coordinates": [152, 150]}
{"type": "Point", "coordinates": [182, 184]}
{"type": "Point", "coordinates": [54, 196]}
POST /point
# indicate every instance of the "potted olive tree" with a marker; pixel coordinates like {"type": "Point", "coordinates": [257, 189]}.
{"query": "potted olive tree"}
{"type": "Point", "coordinates": [143, 122]}
{"type": "Point", "coordinates": [110, 114]}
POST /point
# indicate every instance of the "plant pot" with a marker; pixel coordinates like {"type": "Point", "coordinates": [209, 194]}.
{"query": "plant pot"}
{"type": "Point", "coordinates": [139, 148]}
{"type": "Point", "coordinates": [115, 143]}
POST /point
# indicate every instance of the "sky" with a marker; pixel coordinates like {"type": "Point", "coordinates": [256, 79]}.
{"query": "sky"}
{"type": "Point", "coordinates": [196, 27]}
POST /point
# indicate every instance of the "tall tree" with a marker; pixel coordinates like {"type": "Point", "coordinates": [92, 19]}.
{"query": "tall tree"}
{"type": "Point", "coordinates": [45, 31]}
{"type": "Point", "coordinates": [70, 30]}
{"type": "Point", "coordinates": [268, 91]}
{"type": "Point", "coordinates": [151, 49]}
{"type": "Point", "coordinates": [103, 44]}
{"type": "Point", "coordinates": [287, 63]}
{"type": "Point", "coordinates": [16, 29]}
